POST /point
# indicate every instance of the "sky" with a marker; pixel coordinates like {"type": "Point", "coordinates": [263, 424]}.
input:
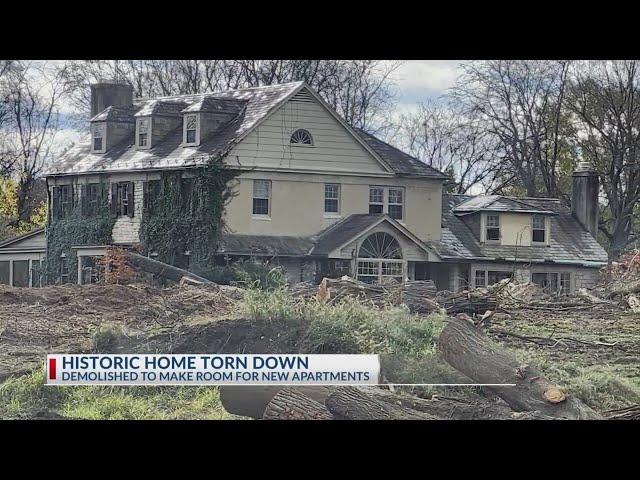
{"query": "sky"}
{"type": "Point", "coordinates": [416, 81]}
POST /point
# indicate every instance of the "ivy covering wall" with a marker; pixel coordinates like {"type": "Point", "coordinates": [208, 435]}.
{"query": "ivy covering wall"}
{"type": "Point", "coordinates": [84, 224]}
{"type": "Point", "coordinates": [183, 213]}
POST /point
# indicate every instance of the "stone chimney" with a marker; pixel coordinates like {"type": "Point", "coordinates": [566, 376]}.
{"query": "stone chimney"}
{"type": "Point", "coordinates": [108, 93]}
{"type": "Point", "coordinates": [584, 197]}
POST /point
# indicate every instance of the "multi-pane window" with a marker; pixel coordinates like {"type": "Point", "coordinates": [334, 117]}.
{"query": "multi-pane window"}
{"type": "Point", "coordinates": [538, 229]}
{"type": "Point", "coordinates": [301, 137]}
{"type": "Point", "coordinates": [63, 201]}
{"type": "Point", "coordinates": [261, 197]}
{"type": "Point", "coordinates": [97, 134]}
{"type": "Point", "coordinates": [553, 282]}
{"type": "Point", "coordinates": [122, 199]}
{"type": "Point", "coordinates": [331, 198]}
{"type": "Point", "coordinates": [64, 270]}
{"type": "Point", "coordinates": [492, 227]}
{"type": "Point", "coordinates": [338, 268]}
{"type": "Point", "coordinates": [484, 278]}
{"type": "Point", "coordinates": [91, 196]}
{"type": "Point", "coordinates": [190, 128]}
{"type": "Point", "coordinates": [151, 195]}
{"type": "Point", "coordinates": [143, 132]}
{"type": "Point", "coordinates": [396, 203]}
{"type": "Point", "coordinates": [376, 200]}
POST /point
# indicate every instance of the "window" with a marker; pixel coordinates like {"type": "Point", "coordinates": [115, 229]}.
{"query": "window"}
{"type": "Point", "coordinates": [191, 129]}
{"type": "Point", "coordinates": [150, 195]}
{"type": "Point", "coordinates": [396, 202]}
{"type": "Point", "coordinates": [97, 134]}
{"type": "Point", "coordinates": [388, 200]}
{"type": "Point", "coordinates": [122, 199]}
{"type": "Point", "coordinates": [301, 137]}
{"type": "Point", "coordinates": [63, 201]}
{"type": "Point", "coordinates": [331, 198]}
{"type": "Point", "coordinates": [484, 278]}
{"type": "Point", "coordinates": [492, 228]}
{"type": "Point", "coordinates": [338, 268]}
{"type": "Point", "coordinates": [380, 259]}
{"type": "Point", "coordinates": [538, 229]}
{"type": "Point", "coordinates": [4, 272]}
{"type": "Point", "coordinates": [553, 282]}
{"type": "Point", "coordinates": [143, 132]}
{"type": "Point", "coordinates": [64, 270]}
{"type": "Point", "coordinates": [91, 196]}
{"type": "Point", "coordinates": [21, 273]}
{"type": "Point", "coordinates": [261, 197]}
{"type": "Point", "coordinates": [376, 200]}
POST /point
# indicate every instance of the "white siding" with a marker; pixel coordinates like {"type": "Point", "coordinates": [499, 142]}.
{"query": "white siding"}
{"type": "Point", "coordinates": [334, 148]}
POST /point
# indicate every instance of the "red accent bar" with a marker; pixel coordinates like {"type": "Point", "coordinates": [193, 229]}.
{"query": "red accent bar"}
{"type": "Point", "coordinates": [52, 369]}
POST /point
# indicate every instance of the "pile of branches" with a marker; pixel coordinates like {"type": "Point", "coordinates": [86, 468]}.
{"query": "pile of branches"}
{"type": "Point", "coordinates": [622, 281]}
{"type": "Point", "coordinates": [523, 393]}
{"type": "Point", "coordinates": [419, 296]}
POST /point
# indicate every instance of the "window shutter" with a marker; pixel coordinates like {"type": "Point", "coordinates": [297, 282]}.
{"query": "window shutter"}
{"type": "Point", "coordinates": [55, 199]}
{"type": "Point", "coordinates": [114, 199]}
{"type": "Point", "coordinates": [130, 189]}
{"type": "Point", "coordinates": [83, 200]}
{"type": "Point", "coordinates": [145, 197]}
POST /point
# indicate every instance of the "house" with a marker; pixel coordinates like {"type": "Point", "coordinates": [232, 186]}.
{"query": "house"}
{"type": "Point", "coordinates": [314, 195]}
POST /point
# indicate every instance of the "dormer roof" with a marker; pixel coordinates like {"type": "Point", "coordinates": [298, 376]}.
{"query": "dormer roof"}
{"type": "Point", "coordinates": [500, 203]}
{"type": "Point", "coordinates": [115, 114]}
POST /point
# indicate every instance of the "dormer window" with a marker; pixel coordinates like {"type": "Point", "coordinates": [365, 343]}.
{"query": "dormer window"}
{"type": "Point", "coordinates": [538, 229]}
{"type": "Point", "coordinates": [142, 132]}
{"type": "Point", "coordinates": [191, 130]}
{"type": "Point", "coordinates": [97, 137]}
{"type": "Point", "coordinates": [301, 137]}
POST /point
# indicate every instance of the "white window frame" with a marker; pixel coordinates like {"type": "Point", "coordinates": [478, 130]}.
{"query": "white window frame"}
{"type": "Point", "coordinates": [103, 127]}
{"type": "Point", "coordinates": [486, 226]}
{"type": "Point", "coordinates": [149, 128]}
{"type": "Point", "coordinates": [261, 216]}
{"type": "Point", "coordinates": [559, 282]}
{"type": "Point", "coordinates": [305, 145]}
{"type": "Point", "coordinates": [184, 130]}
{"type": "Point", "coordinates": [324, 206]}
{"type": "Point", "coordinates": [385, 200]}
{"type": "Point", "coordinates": [546, 229]}
{"type": "Point", "coordinates": [377, 265]}
{"type": "Point", "coordinates": [484, 272]}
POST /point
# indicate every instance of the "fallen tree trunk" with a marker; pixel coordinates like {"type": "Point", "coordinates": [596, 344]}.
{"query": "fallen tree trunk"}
{"type": "Point", "coordinates": [349, 403]}
{"type": "Point", "coordinates": [469, 351]}
{"type": "Point", "coordinates": [252, 401]}
{"type": "Point", "coordinates": [625, 289]}
{"type": "Point", "coordinates": [291, 404]}
{"type": "Point", "coordinates": [164, 270]}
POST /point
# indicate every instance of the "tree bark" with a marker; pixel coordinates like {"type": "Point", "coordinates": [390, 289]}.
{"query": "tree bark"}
{"type": "Point", "coordinates": [252, 401]}
{"type": "Point", "coordinates": [472, 353]}
{"type": "Point", "coordinates": [163, 270]}
{"type": "Point", "coordinates": [291, 404]}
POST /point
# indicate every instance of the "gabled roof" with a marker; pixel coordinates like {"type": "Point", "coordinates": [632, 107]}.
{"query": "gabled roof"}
{"type": "Point", "coordinates": [248, 108]}
{"type": "Point", "coordinates": [354, 226]}
{"type": "Point", "coordinates": [10, 241]}
{"type": "Point", "coordinates": [402, 163]}
{"type": "Point", "coordinates": [570, 243]}
{"type": "Point", "coordinates": [115, 114]}
{"type": "Point", "coordinates": [499, 203]}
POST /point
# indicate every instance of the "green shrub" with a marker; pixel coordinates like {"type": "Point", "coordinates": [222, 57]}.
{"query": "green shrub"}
{"type": "Point", "coordinates": [263, 275]}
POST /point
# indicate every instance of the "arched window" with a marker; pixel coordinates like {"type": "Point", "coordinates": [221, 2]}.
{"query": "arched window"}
{"type": "Point", "coordinates": [380, 259]}
{"type": "Point", "coordinates": [301, 137]}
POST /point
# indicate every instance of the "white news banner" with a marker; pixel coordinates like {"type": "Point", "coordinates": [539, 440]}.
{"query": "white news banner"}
{"type": "Point", "coordinates": [204, 369]}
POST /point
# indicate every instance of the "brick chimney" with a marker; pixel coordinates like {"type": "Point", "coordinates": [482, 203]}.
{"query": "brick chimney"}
{"type": "Point", "coordinates": [108, 93]}
{"type": "Point", "coordinates": [584, 197]}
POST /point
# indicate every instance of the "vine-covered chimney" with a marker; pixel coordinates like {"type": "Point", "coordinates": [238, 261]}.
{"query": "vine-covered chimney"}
{"type": "Point", "coordinates": [584, 197]}
{"type": "Point", "coordinates": [108, 93]}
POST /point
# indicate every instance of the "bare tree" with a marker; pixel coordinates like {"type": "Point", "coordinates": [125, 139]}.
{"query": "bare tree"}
{"type": "Point", "coordinates": [29, 129]}
{"type": "Point", "coordinates": [605, 101]}
{"type": "Point", "coordinates": [520, 103]}
{"type": "Point", "coordinates": [452, 142]}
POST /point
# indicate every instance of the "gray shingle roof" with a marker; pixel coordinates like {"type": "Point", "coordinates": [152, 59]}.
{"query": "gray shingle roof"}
{"type": "Point", "coordinates": [498, 203]}
{"type": "Point", "coordinates": [570, 243]}
{"type": "Point", "coordinates": [249, 106]}
{"type": "Point", "coordinates": [342, 231]}
{"type": "Point", "coordinates": [401, 162]}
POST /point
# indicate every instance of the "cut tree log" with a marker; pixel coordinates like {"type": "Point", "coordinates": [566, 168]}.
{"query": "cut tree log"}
{"type": "Point", "coordinates": [625, 289]}
{"type": "Point", "coordinates": [164, 270]}
{"type": "Point", "coordinates": [469, 351]}
{"type": "Point", "coordinates": [291, 404]}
